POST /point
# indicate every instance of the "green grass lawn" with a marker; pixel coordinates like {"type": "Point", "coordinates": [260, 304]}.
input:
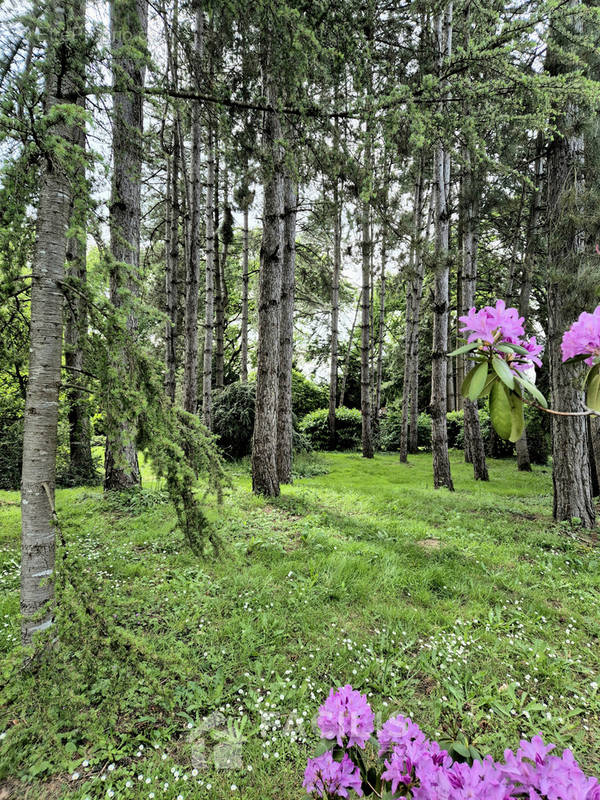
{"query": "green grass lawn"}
{"type": "Point", "coordinates": [472, 612]}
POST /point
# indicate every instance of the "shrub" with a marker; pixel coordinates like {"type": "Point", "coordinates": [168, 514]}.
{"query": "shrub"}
{"type": "Point", "coordinates": [348, 426]}
{"type": "Point", "coordinates": [455, 423]}
{"type": "Point", "coordinates": [11, 445]}
{"type": "Point", "coordinates": [307, 395]}
{"type": "Point", "coordinates": [233, 418]}
{"type": "Point", "coordinates": [390, 428]}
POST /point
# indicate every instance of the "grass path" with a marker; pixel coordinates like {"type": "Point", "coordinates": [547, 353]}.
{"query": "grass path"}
{"type": "Point", "coordinates": [469, 611]}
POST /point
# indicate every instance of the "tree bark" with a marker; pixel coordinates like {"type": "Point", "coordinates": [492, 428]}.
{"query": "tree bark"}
{"type": "Point", "coordinates": [264, 440]}
{"type": "Point", "coordinates": [380, 324]}
{"type": "Point", "coordinates": [470, 237]}
{"type": "Point", "coordinates": [570, 444]}
{"type": "Point", "coordinates": [244, 332]}
{"type": "Point", "coordinates": [365, 331]}
{"type": "Point", "coordinates": [286, 334]}
{"type": "Point", "coordinates": [335, 310]}
{"type": "Point", "coordinates": [439, 431]}
{"type": "Point", "coordinates": [192, 276]}
{"type": "Point", "coordinates": [172, 260]}
{"type": "Point", "coordinates": [523, 460]}
{"type": "Point", "coordinates": [46, 328]}
{"type": "Point", "coordinates": [129, 18]}
{"type": "Point", "coordinates": [209, 287]}
{"type": "Point", "coordinates": [414, 291]}
{"type": "Point", "coordinates": [81, 464]}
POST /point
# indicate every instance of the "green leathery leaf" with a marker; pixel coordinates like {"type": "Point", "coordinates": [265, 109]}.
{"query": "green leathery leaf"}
{"type": "Point", "coordinates": [592, 389]}
{"type": "Point", "coordinates": [474, 381]}
{"type": "Point", "coordinates": [532, 389]}
{"type": "Point", "coordinates": [501, 410]}
{"type": "Point", "coordinates": [517, 417]}
{"type": "Point", "coordinates": [503, 371]}
{"type": "Point", "coordinates": [466, 348]}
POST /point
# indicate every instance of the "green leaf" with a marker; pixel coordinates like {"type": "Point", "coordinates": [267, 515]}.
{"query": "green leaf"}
{"type": "Point", "coordinates": [501, 410]}
{"type": "Point", "coordinates": [474, 381]}
{"type": "Point", "coordinates": [461, 749]}
{"type": "Point", "coordinates": [324, 746]}
{"type": "Point", "coordinates": [505, 347]}
{"type": "Point", "coordinates": [491, 379]}
{"type": "Point", "coordinates": [475, 754]}
{"type": "Point", "coordinates": [532, 389]}
{"type": "Point", "coordinates": [592, 389]}
{"type": "Point", "coordinates": [517, 417]}
{"type": "Point", "coordinates": [466, 348]}
{"type": "Point", "coordinates": [503, 371]}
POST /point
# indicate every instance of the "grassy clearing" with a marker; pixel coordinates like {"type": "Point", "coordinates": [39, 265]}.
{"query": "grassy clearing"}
{"type": "Point", "coordinates": [469, 611]}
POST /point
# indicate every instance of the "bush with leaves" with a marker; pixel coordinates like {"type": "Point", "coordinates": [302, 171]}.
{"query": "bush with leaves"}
{"type": "Point", "coordinates": [307, 395]}
{"type": "Point", "coordinates": [348, 428]}
{"type": "Point", "coordinates": [233, 418]}
{"type": "Point", "coordinates": [11, 440]}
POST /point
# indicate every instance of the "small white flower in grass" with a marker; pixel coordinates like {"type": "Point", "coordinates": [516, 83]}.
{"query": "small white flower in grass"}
{"type": "Point", "coordinates": [165, 786]}
{"type": "Point", "coordinates": [111, 767]}
{"type": "Point", "coordinates": [249, 767]}
{"type": "Point", "coordinates": [148, 780]}
{"type": "Point", "coordinates": [128, 784]}
{"type": "Point", "coordinates": [74, 776]}
{"type": "Point", "coordinates": [102, 777]}
{"type": "Point", "coordinates": [140, 777]}
{"type": "Point", "coordinates": [110, 793]}
{"type": "Point", "coordinates": [85, 763]}
{"type": "Point", "coordinates": [194, 772]}
{"type": "Point", "coordinates": [209, 786]}
{"type": "Point", "coordinates": [164, 756]}
{"type": "Point", "coordinates": [151, 795]}
{"type": "Point", "coordinates": [233, 787]}
{"type": "Point", "coordinates": [190, 725]}
{"type": "Point", "coordinates": [179, 797]}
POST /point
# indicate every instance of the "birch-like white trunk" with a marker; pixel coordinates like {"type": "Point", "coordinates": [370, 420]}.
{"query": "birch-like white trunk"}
{"type": "Point", "coordinates": [46, 330]}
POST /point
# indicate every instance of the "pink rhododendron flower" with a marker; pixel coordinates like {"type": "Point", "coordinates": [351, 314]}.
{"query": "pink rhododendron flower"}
{"type": "Point", "coordinates": [326, 777]}
{"type": "Point", "coordinates": [583, 337]}
{"type": "Point", "coordinates": [494, 324]}
{"type": "Point", "coordinates": [346, 715]}
{"type": "Point", "coordinates": [497, 325]}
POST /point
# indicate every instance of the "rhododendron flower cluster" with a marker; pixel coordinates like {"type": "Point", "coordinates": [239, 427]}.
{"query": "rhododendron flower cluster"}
{"type": "Point", "coordinates": [329, 778]}
{"type": "Point", "coordinates": [346, 717]}
{"type": "Point", "coordinates": [583, 338]}
{"type": "Point", "coordinates": [413, 766]}
{"type": "Point", "coordinates": [498, 325]}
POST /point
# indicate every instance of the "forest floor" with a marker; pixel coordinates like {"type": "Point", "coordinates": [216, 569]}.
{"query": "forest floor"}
{"type": "Point", "coordinates": [469, 611]}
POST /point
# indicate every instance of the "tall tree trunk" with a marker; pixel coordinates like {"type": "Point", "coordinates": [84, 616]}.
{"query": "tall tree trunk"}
{"type": "Point", "coordinates": [349, 351]}
{"type": "Point", "coordinates": [439, 431]}
{"type": "Point", "coordinates": [264, 441]}
{"type": "Point", "coordinates": [365, 338]}
{"type": "Point", "coordinates": [531, 247]}
{"type": "Point", "coordinates": [594, 436]}
{"type": "Point", "coordinates": [192, 276]}
{"type": "Point", "coordinates": [46, 327]}
{"type": "Point", "coordinates": [470, 236]}
{"type": "Point", "coordinates": [414, 291]}
{"type": "Point", "coordinates": [129, 19]}
{"type": "Point", "coordinates": [570, 442]}
{"type": "Point", "coordinates": [335, 310]}
{"type": "Point", "coordinates": [285, 428]}
{"type": "Point", "coordinates": [172, 260]}
{"type": "Point", "coordinates": [81, 464]}
{"type": "Point", "coordinates": [380, 325]}
{"type": "Point", "coordinates": [244, 332]}
{"type": "Point", "coordinates": [220, 280]}
{"type": "Point", "coordinates": [209, 287]}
